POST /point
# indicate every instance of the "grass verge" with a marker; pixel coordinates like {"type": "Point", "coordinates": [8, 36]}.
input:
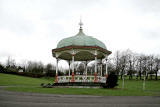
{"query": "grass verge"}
{"type": "Point", "coordinates": [27, 84]}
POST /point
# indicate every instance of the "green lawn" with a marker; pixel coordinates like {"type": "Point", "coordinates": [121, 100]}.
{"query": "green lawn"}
{"type": "Point", "coordinates": [26, 84]}
{"type": "Point", "coordinates": [15, 80]}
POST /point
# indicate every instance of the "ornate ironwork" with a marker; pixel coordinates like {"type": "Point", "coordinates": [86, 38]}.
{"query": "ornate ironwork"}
{"type": "Point", "coordinates": [80, 78]}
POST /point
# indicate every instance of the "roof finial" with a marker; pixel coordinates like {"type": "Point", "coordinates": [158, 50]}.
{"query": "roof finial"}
{"type": "Point", "coordinates": [80, 23]}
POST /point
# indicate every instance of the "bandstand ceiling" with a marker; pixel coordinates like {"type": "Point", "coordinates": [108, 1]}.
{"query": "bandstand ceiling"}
{"type": "Point", "coordinates": [80, 56]}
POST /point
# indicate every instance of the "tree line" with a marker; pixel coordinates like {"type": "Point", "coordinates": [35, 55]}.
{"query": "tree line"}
{"type": "Point", "coordinates": [122, 63]}
{"type": "Point", "coordinates": [133, 64]}
{"type": "Point", "coordinates": [30, 68]}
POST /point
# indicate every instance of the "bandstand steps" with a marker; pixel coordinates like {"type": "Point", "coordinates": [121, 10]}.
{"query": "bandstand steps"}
{"type": "Point", "coordinates": [79, 84]}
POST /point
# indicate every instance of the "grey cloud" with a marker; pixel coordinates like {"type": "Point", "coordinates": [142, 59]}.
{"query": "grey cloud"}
{"type": "Point", "coordinates": [20, 16]}
{"type": "Point", "coordinates": [151, 35]}
{"type": "Point", "coordinates": [13, 13]}
{"type": "Point", "coordinates": [13, 20]}
{"type": "Point", "coordinates": [148, 5]}
{"type": "Point", "coordinates": [5, 54]}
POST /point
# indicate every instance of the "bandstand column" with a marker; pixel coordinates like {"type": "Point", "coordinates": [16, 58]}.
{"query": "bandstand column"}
{"type": "Point", "coordinates": [86, 68]}
{"type": "Point", "coordinates": [73, 67]}
{"type": "Point", "coordinates": [56, 69]}
{"type": "Point", "coordinates": [106, 68]}
{"type": "Point", "coordinates": [95, 80]}
{"type": "Point", "coordinates": [101, 68]}
{"type": "Point", "coordinates": [69, 68]}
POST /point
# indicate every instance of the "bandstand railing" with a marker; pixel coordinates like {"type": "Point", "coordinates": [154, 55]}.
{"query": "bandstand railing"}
{"type": "Point", "coordinates": [81, 78]}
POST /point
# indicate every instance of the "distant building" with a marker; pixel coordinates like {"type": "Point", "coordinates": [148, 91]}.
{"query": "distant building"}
{"type": "Point", "coordinates": [20, 70]}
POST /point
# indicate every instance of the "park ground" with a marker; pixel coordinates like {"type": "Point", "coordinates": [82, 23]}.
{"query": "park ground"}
{"type": "Point", "coordinates": [25, 99]}
{"type": "Point", "coordinates": [32, 85]}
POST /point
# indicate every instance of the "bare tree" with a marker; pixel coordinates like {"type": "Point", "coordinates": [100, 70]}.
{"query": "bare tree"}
{"type": "Point", "coordinates": [81, 68]}
{"type": "Point", "coordinates": [150, 65]}
{"type": "Point", "coordinates": [157, 66]}
{"type": "Point", "coordinates": [10, 62]}
{"type": "Point", "coordinates": [116, 62]}
{"type": "Point", "coordinates": [144, 65]}
{"type": "Point", "coordinates": [139, 66]}
{"type": "Point", "coordinates": [11, 65]}
{"type": "Point", "coordinates": [131, 61]}
{"type": "Point", "coordinates": [35, 67]}
{"type": "Point", "coordinates": [49, 70]}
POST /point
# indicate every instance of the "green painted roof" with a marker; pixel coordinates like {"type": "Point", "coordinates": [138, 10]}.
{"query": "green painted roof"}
{"type": "Point", "coordinates": [80, 40]}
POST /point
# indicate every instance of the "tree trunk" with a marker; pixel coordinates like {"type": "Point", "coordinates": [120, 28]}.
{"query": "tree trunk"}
{"type": "Point", "coordinates": [146, 76]}
{"type": "Point", "coordinates": [156, 75]}
{"type": "Point", "coordinates": [140, 75]}
{"type": "Point", "coordinates": [131, 76]}
{"type": "Point", "coordinates": [123, 82]}
{"type": "Point", "coordinates": [151, 76]}
{"type": "Point", "coordinates": [121, 76]}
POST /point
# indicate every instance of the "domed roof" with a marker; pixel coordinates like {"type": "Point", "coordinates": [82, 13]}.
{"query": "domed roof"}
{"type": "Point", "coordinates": [80, 40]}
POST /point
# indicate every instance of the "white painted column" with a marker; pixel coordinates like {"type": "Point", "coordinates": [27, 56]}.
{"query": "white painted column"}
{"type": "Point", "coordinates": [95, 55]}
{"type": "Point", "coordinates": [73, 66]}
{"type": "Point", "coordinates": [106, 68]}
{"type": "Point", "coordinates": [56, 69]}
{"type": "Point", "coordinates": [101, 68]}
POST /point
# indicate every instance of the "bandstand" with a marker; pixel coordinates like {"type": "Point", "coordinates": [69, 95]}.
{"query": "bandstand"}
{"type": "Point", "coordinates": [81, 48]}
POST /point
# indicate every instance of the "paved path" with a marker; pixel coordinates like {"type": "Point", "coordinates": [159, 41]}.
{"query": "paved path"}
{"type": "Point", "coordinates": [21, 99]}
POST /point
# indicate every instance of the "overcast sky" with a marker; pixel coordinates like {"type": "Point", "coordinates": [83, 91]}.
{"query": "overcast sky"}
{"type": "Point", "coordinates": [30, 29]}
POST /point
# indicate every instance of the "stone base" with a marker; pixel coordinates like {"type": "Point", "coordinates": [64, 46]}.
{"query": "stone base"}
{"type": "Point", "coordinates": [79, 84]}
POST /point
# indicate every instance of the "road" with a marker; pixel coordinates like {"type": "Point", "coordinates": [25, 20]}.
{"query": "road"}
{"type": "Point", "coordinates": [23, 99]}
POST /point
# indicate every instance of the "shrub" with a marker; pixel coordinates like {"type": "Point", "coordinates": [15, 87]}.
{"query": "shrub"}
{"type": "Point", "coordinates": [2, 69]}
{"type": "Point", "coordinates": [111, 81]}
